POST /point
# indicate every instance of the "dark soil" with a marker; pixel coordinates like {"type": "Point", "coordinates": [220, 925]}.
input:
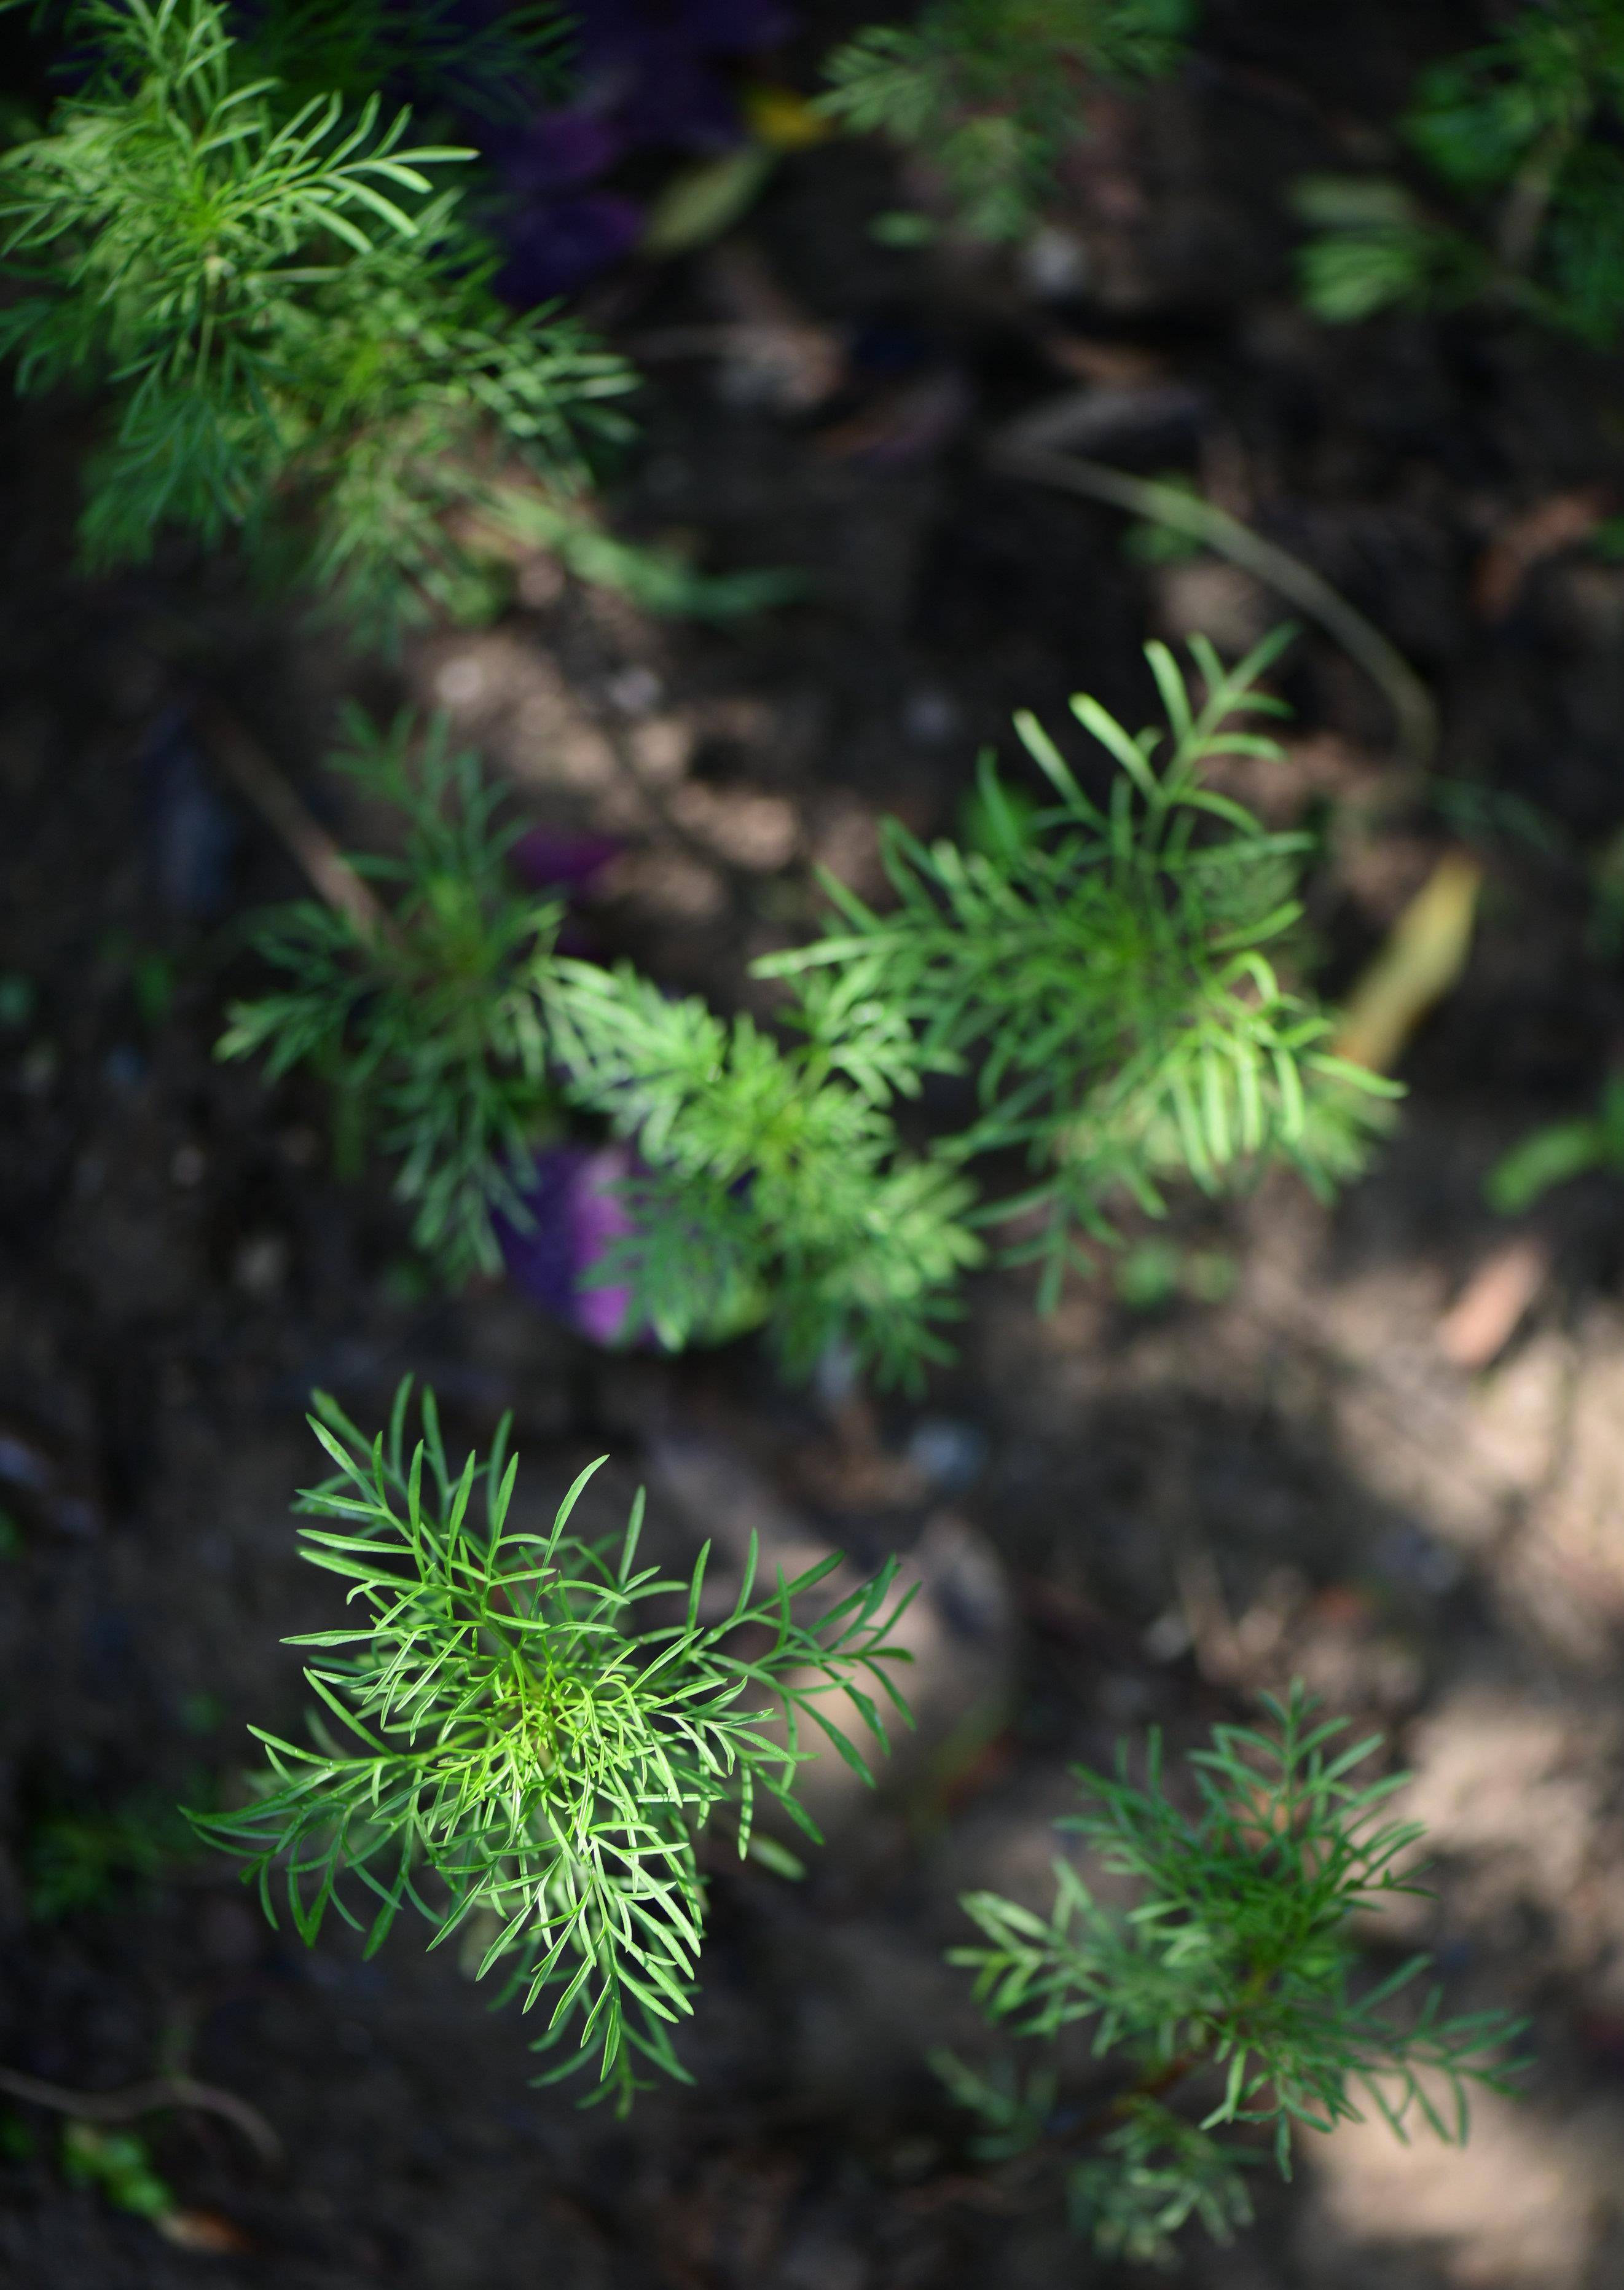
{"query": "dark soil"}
{"type": "Point", "coordinates": [1162, 1512]}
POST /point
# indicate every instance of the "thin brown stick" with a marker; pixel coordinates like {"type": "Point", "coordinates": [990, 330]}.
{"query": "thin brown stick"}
{"type": "Point", "coordinates": [251, 772]}
{"type": "Point", "coordinates": [149, 2098]}
{"type": "Point", "coordinates": [1031, 448]}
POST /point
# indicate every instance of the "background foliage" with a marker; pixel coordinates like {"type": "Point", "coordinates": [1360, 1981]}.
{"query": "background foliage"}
{"type": "Point", "coordinates": [291, 313]}
{"type": "Point", "coordinates": [1235, 1966]}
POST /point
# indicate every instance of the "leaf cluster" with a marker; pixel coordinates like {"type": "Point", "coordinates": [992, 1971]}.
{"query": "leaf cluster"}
{"type": "Point", "coordinates": [773, 1184]}
{"type": "Point", "coordinates": [119, 2167]}
{"type": "Point", "coordinates": [431, 1024]}
{"type": "Point", "coordinates": [1522, 136]}
{"type": "Point", "coordinates": [290, 313]}
{"type": "Point", "coordinates": [989, 91]}
{"type": "Point", "coordinates": [1558, 1153]}
{"type": "Point", "coordinates": [1111, 969]}
{"type": "Point", "coordinates": [522, 1735]}
{"type": "Point", "coordinates": [78, 1859]}
{"type": "Point", "coordinates": [1235, 1965]}
{"type": "Point", "coordinates": [498, 65]}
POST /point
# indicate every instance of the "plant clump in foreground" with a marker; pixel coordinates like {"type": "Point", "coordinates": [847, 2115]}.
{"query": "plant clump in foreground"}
{"type": "Point", "coordinates": [522, 1735]}
{"type": "Point", "coordinates": [1111, 970]}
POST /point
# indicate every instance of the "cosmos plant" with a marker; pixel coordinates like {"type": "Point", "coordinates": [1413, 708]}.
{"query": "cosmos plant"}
{"type": "Point", "coordinates": [523, 1736]}
{"type": "Point", "coordinates": [1112, 971]}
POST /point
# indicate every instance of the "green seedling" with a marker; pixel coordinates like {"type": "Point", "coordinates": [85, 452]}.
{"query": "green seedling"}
{"type": "Point", "coordinates": [1557, 1155]}
{"type": "Point", "coordinates": [290, 314]}
{"type": "Point", "coordinates": [1113, 971]}
{"type": "Point", "coordinates": [990, 92]}
{"type": "Point", "coordinates": [430, 1021]}
{"type": "Point", "coordinates": [522, 1735]}
{"type": "Point", "coordinates": [1232, 1985]}
{"type": "Point", "coordinates": [117, 2165]}
{"type": "Point", "coordinates": [1521, 136]}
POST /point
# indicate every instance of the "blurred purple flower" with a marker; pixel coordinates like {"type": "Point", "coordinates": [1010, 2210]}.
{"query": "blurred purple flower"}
{"type": "Point", "coordinates": [579, 1216]}
{"type": "Point", "coordinates": [630, 31]}
{"type": "Point", "coordinates": [662, 91]}
{"type": "Point", "coordinates": [556, 151]}
{"type": "Point", "coordinates": [556, 245]}
{"type": "Point", "coordinates": [648, 78]}
{"type": "Point", "coordinates": [650, 62]}
{"type": "Point", "coordinates": [556, 858]}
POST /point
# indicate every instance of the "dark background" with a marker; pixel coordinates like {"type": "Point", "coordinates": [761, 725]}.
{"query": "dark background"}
{"type": "Point", "coordinates": [1167, 1509]}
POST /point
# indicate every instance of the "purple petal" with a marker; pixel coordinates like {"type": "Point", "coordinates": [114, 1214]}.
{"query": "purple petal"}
{"type": "Point", "coordinates": [556, 151]}
{"type": "Point", "coordinates": [659, 91]}
{"type": "Point", "coordinates": [579, 1216]}
{"type": "Point", "coordinates": [623, 31]}
{"type": "Point", "coordinates": [682, 106]}
{"type": "Point", "coordinates": [554, 248]}
{"type": "Point", "coordinates": [552, 858]}
{"type": "Point", "coordinates": [727, 27]}
{"type": "Point", "coordinates": [651, 68]}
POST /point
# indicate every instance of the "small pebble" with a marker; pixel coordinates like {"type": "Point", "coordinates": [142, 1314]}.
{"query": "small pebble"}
{"type": "Point", "coordinates": [123, 1067]}
{"type": "Point", "coordinates": [190, 832]}
{"type": "Point", "coordinates": [260, 1264]}
{"type": "Point", "coordinates": [460, 682]}
{"type": "Point", "coordinates": [634, 691]}
{"type": "Point", "coordinates": [930, 717]}
{"type": "Point", "coordinates": [949, 1455]}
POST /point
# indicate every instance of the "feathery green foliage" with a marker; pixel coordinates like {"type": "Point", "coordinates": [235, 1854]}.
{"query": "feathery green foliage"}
{"type": "Point", "coordinates": [499, 69]}
{"type": "Point", "coordinates": [293, 321]}
{"type": "Point", "coordinates": [75, 1860]}
{"type": "Point", "coordinates": [1523, 135]}
{"type": "Point", "coordinates": [431, 1025]}
{"type": "Point", "coordinates": [1558, 1153]}
{"type": "Point", "coordinates": [1112, 967]}
{"type": "Point", "coordinates": [774, 1186]}
{"type": "Point", "coordinates": [770, 1186]}
{"type": "Point", "coordinates": [1235, 1967]}
{"type": "Point", "coordinates": [991, 90]}
{"type": "Point", "coordinates": [1109, 969]}
{"type": "Point", "coordinates": [522, 1735]}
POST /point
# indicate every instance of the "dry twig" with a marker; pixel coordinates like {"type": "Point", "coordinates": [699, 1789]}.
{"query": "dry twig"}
{"type": "Point", "coordinates": [138, 2099]}
{"type": "Point", "coordinates": [1031, 448]}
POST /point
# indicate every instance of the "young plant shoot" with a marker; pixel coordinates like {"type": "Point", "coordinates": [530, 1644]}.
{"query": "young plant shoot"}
{"type": "Point", "coordinates": [989, 92]}
{"type": "Point", "coordinates": [1111, 967]}
{"type": "Point", "coordinates": [768, 1185]}
{"type": "Point", "coordinates": [495, 68]}
{"type": "Point", "coordinates": [773, 1188]}
{"type": "Point", "coordinates": [1560, 1152]}
{"type": "Point", "coordinates": [1108, 968]}
{"type": "Point", "coordinates": [290, 315]}
{"type": "Point", "coordinates": [1522, 135]}
{"type": "Point", "coordinates": [522, 1735]}
{"type": "Point", "coordinates": [1233, 1981]}
{"type": "Point", "coordinates": [429, 1024]}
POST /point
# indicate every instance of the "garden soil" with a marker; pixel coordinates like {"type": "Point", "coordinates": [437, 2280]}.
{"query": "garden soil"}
{"type": "Point", "coordinates": [1377, 1445]}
